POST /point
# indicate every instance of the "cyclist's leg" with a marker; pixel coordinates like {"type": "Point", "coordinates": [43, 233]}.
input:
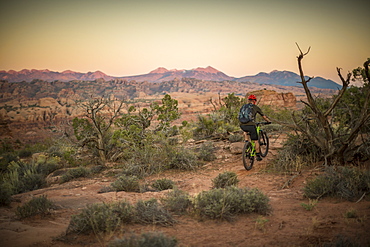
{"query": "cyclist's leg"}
{"type": "Point", "coordinates": [254, 138]}
{"type": "Point", "coordinates": [246, 132]}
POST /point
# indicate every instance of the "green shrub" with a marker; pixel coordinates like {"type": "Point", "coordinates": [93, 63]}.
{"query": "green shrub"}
{"type": "Point", "coordinates": [226, 203]}
{"type": "Point", "coordinates": [152, 239]}
{"type": "Point", "coordinates": [97, 218]}
{"type": "Point", "coordinates": [6, 159]}
{"type": "Point", "coordinates": [6, 192]}
{"type": "Point", "coordinates": [126, 183]}
{"type": "Point", "coordinates": [163, 184]}
{"type": "Point", "coordinates": [343, 182]}
{"type": "Point", "coordinates": [151, 212]}
{"type": "Point", "coordinates": [36, 206]}
{"type": "Point", "coordinates": [236, 137]}
{"type": "Point", "coordinates": [176, 201]}
{"type": "Point", "coordinates": [182, 159]}
{"type": "Point", "coordinates": [296, 154]}
{"type": "Point", "coordinates": [225, 179]}
{"type": "Point", "coordinates": [74, 173]}
{"type": "Point", "coordinates": [207, 152]}
{"type": "Point", "coordinates": [24, 177]}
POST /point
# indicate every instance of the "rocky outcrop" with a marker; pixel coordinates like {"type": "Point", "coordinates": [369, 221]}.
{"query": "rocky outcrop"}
{"type": "Point", "coordinates": [275, 99]}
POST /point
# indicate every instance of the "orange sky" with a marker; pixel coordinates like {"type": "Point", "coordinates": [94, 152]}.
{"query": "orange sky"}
{"type": "Point", "coordinates": [131, 37]}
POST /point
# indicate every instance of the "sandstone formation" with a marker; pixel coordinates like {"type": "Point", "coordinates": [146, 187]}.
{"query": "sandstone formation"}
{"type": "Point", "coordinates": [275, 99]}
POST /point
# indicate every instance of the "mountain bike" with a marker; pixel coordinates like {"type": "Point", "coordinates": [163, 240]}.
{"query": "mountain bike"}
{"type": "Point", "coordinates": [249, 149]}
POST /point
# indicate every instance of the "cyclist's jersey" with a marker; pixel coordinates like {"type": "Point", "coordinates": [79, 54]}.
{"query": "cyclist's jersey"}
{"type": "Point", "coordinates": [255, 110]}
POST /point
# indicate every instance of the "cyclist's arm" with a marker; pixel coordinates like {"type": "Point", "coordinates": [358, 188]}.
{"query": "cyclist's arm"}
{"type": "Point", "coordinates": [259, 111]}
{"type": "Point", "coordinates": [266, 118]}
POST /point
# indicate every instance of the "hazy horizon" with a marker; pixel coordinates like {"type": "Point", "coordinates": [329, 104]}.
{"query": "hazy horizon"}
{"type": "Point", "coordinates": [238, 37]}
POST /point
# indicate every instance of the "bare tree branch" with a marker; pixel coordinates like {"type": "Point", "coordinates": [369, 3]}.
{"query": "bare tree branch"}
{"type": "Point", "coordinates": [345, 84]}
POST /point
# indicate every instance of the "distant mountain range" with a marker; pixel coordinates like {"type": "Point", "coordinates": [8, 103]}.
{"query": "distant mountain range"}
{"type": "Point", "coordinates": [284, 78]}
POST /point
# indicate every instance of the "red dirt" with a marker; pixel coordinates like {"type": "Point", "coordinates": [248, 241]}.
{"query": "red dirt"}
{"type": "Point", "coordinates": [289, 224]}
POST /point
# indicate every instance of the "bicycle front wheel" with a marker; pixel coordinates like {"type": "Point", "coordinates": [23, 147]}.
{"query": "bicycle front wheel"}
{"type": "Point", "coordinates": [264, 143]}
{"type": "Point", "coordinates": [248, 158]}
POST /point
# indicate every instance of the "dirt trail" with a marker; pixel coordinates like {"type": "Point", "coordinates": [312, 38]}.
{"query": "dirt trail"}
{"type": "Point", "coordinates": [289, 224]}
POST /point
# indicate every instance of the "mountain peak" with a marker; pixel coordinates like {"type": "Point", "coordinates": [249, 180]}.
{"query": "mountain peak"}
{"type": "Point", "coordinates": [209, 69]}
{"type": "Point", "coordinates": [68, 72]}
{"type": "Point", "coordinates": [159, 70]}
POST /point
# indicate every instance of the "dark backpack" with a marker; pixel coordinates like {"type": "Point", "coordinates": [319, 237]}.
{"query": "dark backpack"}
{"type": "Point", "coordinates": [246, 114]}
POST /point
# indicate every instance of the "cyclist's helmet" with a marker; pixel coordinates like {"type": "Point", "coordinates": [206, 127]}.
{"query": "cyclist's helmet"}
{"type": "Point", "coordinates": [252, 97]}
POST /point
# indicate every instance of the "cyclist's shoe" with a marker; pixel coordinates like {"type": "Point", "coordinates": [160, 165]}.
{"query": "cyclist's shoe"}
{"type": "Point", "coordinates": [258, 156]}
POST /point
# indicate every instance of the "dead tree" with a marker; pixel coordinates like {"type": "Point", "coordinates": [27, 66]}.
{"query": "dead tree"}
{"type": "Point", "coordinates": [318, 128]}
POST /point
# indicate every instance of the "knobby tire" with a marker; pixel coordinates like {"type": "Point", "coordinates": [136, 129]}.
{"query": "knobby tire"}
{"type": "Point", "coordinates": [248, 159]}
{"type": "Point", "coordinates": [264, 143]}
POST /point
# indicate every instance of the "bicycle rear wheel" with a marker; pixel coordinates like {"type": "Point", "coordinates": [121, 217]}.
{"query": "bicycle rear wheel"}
{"type": "Point", "coordinates": [264, 143]}
{"type": "Point", "coordinates": [248, 158]}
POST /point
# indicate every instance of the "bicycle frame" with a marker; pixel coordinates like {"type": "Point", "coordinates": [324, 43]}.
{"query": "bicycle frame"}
{"type": "Point", "coordinates": [249, 149]}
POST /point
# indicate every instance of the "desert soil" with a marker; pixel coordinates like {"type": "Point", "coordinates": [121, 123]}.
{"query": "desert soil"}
{"type": "Point", "coordinates": [289, 223]}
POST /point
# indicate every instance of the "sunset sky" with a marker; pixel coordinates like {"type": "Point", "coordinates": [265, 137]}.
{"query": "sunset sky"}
{"type": "Point", "coordinates": [132, 37]}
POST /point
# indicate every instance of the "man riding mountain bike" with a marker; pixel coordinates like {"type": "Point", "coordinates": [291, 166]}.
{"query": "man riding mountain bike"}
{"type": "Point", "coordinates": [249, 125]}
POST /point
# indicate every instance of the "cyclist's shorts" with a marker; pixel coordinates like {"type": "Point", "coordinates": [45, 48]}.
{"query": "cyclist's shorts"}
{"type": "Point", "coordinates": [251, 129]}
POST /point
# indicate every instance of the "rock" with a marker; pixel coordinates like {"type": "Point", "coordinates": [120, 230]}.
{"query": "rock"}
{"type": "Point", "coordinates": [270, 97]}
{"type": "Point", "coordinates": [236, 147]}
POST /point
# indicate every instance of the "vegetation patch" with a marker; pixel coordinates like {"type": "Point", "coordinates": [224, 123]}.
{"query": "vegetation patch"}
{"type": "Point", "coordinates": [177, 201]}
{"type": "Point", "coordinates": [225, 179]}
{"type": "Point", "coordinates": [163, 184]}
{"type": "Point", "coordinates": [36, 206]}
{"type": "Point", "coordinates": [152, 213]}
{"type": "Point", "coordinates": [101, 218]}
{"type": "Point", "coordinates": [207, 152]}
{"type": "Point", "coordinates": [226, 203]}
{"type": "Point", "coordinates": [126, 183]}
{"type": "Point", "coordinates": [344, 182]}
{"type": "Point", "coordinates": [74, 173]}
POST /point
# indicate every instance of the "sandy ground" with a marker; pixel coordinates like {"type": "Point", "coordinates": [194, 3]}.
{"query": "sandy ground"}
{"type": "Point", "coordinates": [289, 224]}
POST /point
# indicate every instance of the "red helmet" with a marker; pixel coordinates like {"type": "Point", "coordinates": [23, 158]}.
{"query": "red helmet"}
{"type": "Point", "coordinates": [252, 97]}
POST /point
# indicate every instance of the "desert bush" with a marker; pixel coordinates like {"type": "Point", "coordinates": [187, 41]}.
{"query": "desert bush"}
{"type": "Point", "coordinates": [151, 212]}
{"type": "Point", "coordinates": [6, 192]}
{"type": "Point", "coordinates": [152, 160]}
{"type": "Point", "coordinates": [236, 137]}
{"type": "Point", "coordinates": [6, 159]}
{"type": "Point", "coordinates": [152, 239]}
{"type": "Point", "coordinates": [207, 152]}
{"type": "Point", "coordinates": [296, 154]}
{"type": "Point", "coordinates": [74, 173]}
{"type": "Point", "coordinates": [97, 218]}
{"type": "Point", "coordinates": [225, 179]}
{"type": "Point", "coordinates": [226, 203]}
{"type": "Point", "coordinates": [24, 177]}
{"type": "Point", "coordinates": [163, 184]}
{"type": "Point", "coordinates": [36, 206]}
{"type": "Point", "coordinates": [344, 182]}
{"type": "Point", "coordinates": [176, 201]}
{"type": "Point", "coordinates": [126, 183]}
{"type": "Point", "coordinates": [182, 159]}
{"type": "Point", "coordinates": [47, 164]}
